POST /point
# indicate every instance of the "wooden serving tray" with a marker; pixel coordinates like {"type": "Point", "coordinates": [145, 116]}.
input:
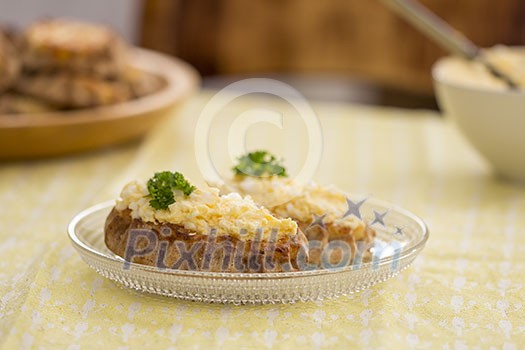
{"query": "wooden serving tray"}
{"type": "Point", "coordinates": [64, 132]}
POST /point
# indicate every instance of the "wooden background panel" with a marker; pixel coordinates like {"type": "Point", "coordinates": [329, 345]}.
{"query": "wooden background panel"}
{"type": "Point", "coordinates": [357, 38]}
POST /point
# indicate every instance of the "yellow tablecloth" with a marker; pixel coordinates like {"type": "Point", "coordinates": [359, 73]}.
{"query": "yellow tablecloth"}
{"type": "Point", "coordinates": [465, 289]}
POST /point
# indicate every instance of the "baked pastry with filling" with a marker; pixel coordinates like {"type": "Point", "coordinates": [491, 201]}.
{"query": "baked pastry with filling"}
{"type": "Point", "coordinates": [323, 213]}
{"type": "Point", "coordinates": [169, 223]}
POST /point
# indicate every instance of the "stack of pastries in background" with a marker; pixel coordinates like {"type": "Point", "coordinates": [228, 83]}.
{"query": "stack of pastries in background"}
{"type": "Point", "coordinates": [63, 64]}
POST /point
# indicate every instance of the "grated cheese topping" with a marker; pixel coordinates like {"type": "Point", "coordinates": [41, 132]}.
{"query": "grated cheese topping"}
{"type": "Point", "coordinates": [205, 209]}
{"type": "Point", "coordinates": [288, 198]}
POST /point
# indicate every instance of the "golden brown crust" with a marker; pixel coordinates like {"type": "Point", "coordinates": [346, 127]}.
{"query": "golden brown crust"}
{"type": "Point", "coordinates": [172, 246]}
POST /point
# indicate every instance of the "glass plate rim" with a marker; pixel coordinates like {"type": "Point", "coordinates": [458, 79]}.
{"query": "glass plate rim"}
{"type": "Point", "coordinates": [113, 258]}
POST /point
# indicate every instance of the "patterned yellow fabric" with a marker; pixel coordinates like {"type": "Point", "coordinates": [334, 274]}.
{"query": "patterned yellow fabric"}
{"type": "Point", "coordinates": [465, 289]}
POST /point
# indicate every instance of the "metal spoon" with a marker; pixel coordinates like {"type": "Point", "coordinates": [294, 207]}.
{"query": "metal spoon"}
{"type": "Point", "coordinates": [443, 34]}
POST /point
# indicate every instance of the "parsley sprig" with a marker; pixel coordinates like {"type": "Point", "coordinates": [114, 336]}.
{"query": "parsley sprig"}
{"type": "Point", "coordinates": [161, 187]}
{"type": "Point", "coordinates": [260, 164]}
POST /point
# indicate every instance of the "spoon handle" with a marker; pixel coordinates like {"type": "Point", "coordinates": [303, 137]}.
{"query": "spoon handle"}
{"type": "Point", "coordinates": [433, 26]}
{"type": "Point", "coordinates": [443, 34]}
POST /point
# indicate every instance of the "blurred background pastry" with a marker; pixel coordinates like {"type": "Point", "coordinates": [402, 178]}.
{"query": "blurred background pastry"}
{"type": "Point", "coordinates": [64, 64]}
{"type": "Point", "coordinates": [72, 46]}
{"type": "Point", "coordinates": [13, 103]}
{"type": "Point", "coordinates": [140, 83]}
{"type": "Point", "coordinates": [9, 62]}
{"type": "Point", "coordinates": [77, 90]}
{"type": "Point", "coordinates": [71, 90]}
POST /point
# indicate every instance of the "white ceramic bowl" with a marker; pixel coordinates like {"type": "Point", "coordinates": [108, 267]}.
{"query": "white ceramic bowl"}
{"type": "Point", "coordinates": [492, 120]}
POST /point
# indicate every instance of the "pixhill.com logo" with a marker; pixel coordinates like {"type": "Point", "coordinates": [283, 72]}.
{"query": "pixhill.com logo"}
{"type": "Point", "coordinates": [167, 248]}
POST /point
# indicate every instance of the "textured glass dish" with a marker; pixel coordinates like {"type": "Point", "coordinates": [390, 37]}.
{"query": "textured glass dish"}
{"type": "Point", "coordinates": [400, 237]}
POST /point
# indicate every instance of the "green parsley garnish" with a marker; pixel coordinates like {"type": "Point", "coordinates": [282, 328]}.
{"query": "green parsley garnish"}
{"type": "Point", "coordinates": [161, 188]}
{"type": "Point", "coordinates": [260, 164]}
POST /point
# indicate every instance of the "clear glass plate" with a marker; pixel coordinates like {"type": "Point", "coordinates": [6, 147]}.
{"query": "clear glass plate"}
{"type": "Point", "coordinates": [400, 237]}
